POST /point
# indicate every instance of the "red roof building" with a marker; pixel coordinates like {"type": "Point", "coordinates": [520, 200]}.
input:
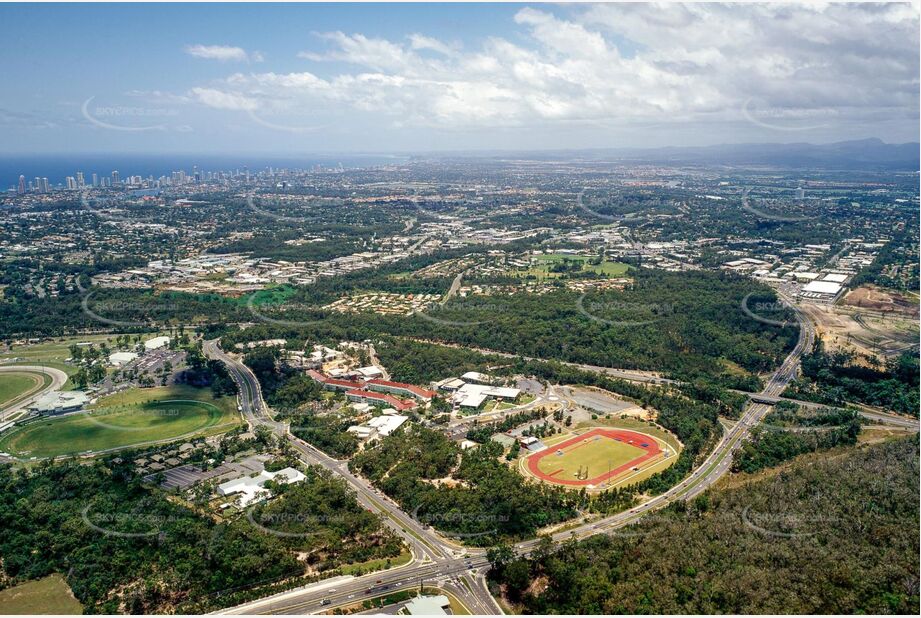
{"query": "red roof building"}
{"type": "Point", "coordinates": [378, 398]}
{"type": "Point", "coordinates": [400, 388]}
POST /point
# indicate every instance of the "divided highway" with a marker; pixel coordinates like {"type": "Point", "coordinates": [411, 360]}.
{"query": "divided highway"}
{"type": "Point", "coordinates": [436, 561]}
{"type": "Point", "coordinates": [434, 558]}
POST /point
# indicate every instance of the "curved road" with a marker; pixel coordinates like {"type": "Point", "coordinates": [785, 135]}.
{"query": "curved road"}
{"type": "Point", "coordinates": [435, 562]}
{"type": "Point", "coordinates": [58, 378]}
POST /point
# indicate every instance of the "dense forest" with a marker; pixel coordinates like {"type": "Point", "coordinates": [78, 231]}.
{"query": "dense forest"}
{"type": "Point", "coordinates": [485, 499]}
{"type": "Point", "coordinates": [835, 378]}
{"type": "Point", "coordinates": [788, 432]}
{"type": "Point", "coordinates": [698, 313]}
{"type": "Point", "coordinates": [125, 548]}
{"type": "Point", "coordinates": [833, 537]}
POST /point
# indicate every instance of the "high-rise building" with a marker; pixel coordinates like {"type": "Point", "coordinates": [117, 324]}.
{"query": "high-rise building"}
{"type": "Point", "coordinates": [800, 194]}
{"type": "Point", "coordinates": [46, 187]}
{"type": "Point", "coordinates": [95, 180]}
{"type": "Point", "coordinates": [80, 181]}
{"type": "Point", "coordinates": [37, 185]}
{"type": "Point", "coordinates": [22, 184]}
{"type": "Point", "coordinates": [116, 179]}
{"type": "Point", "coordinates": [71, 183]}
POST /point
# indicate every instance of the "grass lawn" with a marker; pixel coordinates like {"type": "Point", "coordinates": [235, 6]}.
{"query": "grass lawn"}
{"type": "Point", "coordinates": [129, 418]}
{"type": "Point", "coordinates": [15, 385]}
{"type": "Point", "coordinates": [597, 454]}
{"type": "Point", "coordinates": [50, 595]}
{"type": "Point", "coordinates": [633, 424]}
{"type": "Point", "coordinates": [376, 564]}
{"type": "Point", "coordinates": [274, 295]}
{"type": "Point", "coordinates": [541, 269]}
{"type": "Point", "coordinates": [53, 353]}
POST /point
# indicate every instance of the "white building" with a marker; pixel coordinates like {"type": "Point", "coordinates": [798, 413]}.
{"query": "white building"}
{"type": "Point", "coordinates": [428, 606]}
{"type": "Point", "coordinates": [156, 343]}
{"type": "Point", "coordinates": [362, 432]}
{"type": "Point", "coordinates": [60, 401]}
{"type": "Point", "coordinates": [829, 288]}
{"type": "Point", "coordinates": [473, 395]}
{"type": "Point", "coordinates": [386, 425]}
{"type": "Point", "coordinates": [253, 488]}
{"type": "Point", "coordinates": [369, 372]}
{"type": "Point", "coordinates": [383, 425]}
{"type": "Point", "coordinates": [120, 359]}
{"type": "Point", "coordinates": [476, 376]}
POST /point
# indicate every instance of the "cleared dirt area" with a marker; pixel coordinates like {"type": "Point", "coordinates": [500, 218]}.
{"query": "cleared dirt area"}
{"type": "Point", "coordinates": [878, 299]}
{"type": "Point", "coordinates": [866, 332]}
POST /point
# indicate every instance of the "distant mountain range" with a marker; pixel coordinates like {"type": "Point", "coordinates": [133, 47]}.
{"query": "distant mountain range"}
{"type": "Point", "coordinates": [857, 154]}
{"type": "Point", "coordinates": [866, 154]}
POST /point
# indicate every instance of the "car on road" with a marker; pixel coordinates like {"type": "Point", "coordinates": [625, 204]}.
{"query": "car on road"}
{"type": "Point", "coordinates": [325, 602]}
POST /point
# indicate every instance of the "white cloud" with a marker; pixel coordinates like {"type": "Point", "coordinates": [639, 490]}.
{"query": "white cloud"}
{"type": "Point", "coordinates": [613, 63]}
{"type": "Point", "coordinates": [420, 41]}
{"type": "Point", "coordinates": [223, 100]}
{"type": "Point", "coordinates": [224, 53]}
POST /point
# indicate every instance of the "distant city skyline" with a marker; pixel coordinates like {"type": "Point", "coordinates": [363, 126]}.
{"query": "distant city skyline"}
{"type": "Point", "coordinates": [355, 78]}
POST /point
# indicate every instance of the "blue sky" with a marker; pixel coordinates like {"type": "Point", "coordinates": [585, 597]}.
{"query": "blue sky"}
{"type": "Point", "coordinates": [217, 78]}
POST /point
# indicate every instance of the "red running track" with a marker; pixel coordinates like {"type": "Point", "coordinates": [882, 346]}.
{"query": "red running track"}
{"type": "Point", "coordinates": [625, 436]}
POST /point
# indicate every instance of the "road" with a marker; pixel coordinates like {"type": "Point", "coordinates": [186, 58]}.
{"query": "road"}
{"type": "Point", "coordinates": [434, 559]}
{"type": "Point", "coordinates": [623, 374]}
{"type": "Point", "coordinates": [877, 416]}
{"type": "Point", "coordinates": [455, 286]}
{"type": "Point", "coordinates": [447, 574]}
{"type": "Point", "coordinates": [58, 378]}
{"type": "Point", "coordinates": [375, 361]}
{"type": "Point", "coordinates": [716, 464]}
{"type": "Point", "coordinates": [432, 554]}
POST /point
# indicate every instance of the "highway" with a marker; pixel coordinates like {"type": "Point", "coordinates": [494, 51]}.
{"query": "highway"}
{"type": "Point", "coordinates": [433, 556]}
{"type": "Point", "coordinates": [869, 413]}
{"type": "Point", "coordinates": [435, 561]}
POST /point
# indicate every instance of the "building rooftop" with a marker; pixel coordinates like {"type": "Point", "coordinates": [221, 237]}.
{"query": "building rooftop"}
{"type": "Point", "coordinates": [253, 486]}
{"type": "Point", "coordinates": [822, 287]}
{"type": "Point", "coordinates": [156, 342]}
{"type": "Point", "coordinates": [428, 606]}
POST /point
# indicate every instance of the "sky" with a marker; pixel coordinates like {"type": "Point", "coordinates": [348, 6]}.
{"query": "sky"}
{"type": "Point", "coordinates": [261, 78]}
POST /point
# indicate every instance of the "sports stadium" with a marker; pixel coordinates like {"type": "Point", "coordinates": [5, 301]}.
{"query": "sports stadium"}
{"type": "Point", "coordinates": [599, 458]}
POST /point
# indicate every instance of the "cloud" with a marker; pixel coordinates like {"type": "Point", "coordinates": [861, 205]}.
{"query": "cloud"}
{"type": "Point", "coordinates": [420, 41]}
{"type": "Point", "coordinates": [219, 99]}
{"type": "Point", "coordinates": [358, 49]}
{"type": "Point", "coordinates": [224, 53]}
{"type": "Point", "coordinates": [614, 64]}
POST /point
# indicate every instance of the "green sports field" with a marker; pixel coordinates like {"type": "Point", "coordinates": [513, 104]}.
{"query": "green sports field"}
{"type": "Point", "coordinates": [597, 456]}
{"type": "Point", "coordinates": [130, 418]}
{"type": "Point", "coordinates": [601, 457]}
{"type": "Point", "coordinates": [15, 385]}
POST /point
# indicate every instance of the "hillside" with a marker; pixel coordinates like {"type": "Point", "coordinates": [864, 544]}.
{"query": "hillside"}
{"type": "Point", "coordinates": [839, 537]}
